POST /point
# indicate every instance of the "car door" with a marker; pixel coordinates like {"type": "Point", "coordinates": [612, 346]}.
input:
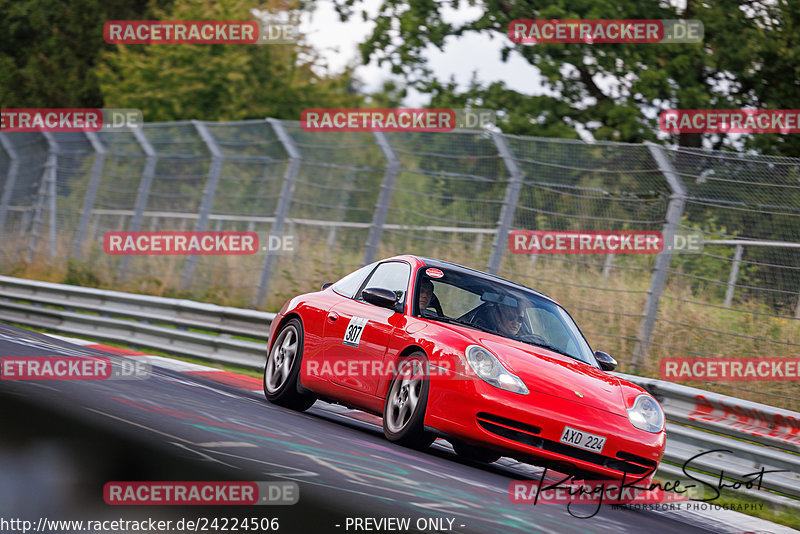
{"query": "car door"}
{"type": "Point", "coordinates": [357, 333]}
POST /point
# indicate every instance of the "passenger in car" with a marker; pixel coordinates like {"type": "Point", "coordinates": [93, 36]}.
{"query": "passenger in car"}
{"type": "Point", "coordinates": [425, 294]}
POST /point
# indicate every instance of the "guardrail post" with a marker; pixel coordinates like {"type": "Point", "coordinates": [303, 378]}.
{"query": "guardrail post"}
{"type": "Point", "coordinates": [91, 192]}
{"type": "Point", "coordinates": [384, 198]}
{"type": "Point", "coordinates": [45, 197]}
{"type": "Point", "coordinates": [11, 179]}
{"type": "Point", "coordinates": [509, 203]}
{"type": "Point", "coordinates": [737, 258]}
{"type": "Point", "coordinates": [677, 201]}
{"type": "Point", "coordinates": [141, 196]}
{"type": "Point", "coordinates": [214, 171]}
{"type": "Point", "coordinates": [287, 190]}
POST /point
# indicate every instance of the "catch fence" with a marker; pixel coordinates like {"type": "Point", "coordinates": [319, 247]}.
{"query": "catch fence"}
{"type": "Point", "coordinates": [350, 198]}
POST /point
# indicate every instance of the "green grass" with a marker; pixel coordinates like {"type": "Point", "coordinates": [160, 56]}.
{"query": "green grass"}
{"type": "Point", "coordinates": [608, 310]}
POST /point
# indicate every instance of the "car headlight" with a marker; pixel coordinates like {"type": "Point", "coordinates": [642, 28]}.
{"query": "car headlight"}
{"type": "Point", "coordinates": [646, 414]}
{"type": "Point", "coordinates": [489, 369]}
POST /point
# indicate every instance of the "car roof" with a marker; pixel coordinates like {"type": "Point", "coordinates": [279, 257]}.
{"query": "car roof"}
{"type": "Point", "coordinates": [430, 262]}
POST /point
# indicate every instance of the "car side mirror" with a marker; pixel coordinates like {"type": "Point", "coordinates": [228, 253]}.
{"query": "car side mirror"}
{"type": "Point", "coordinates": [326, 285]}
{"type": "Point", "coordinates": [607, 363]}
{"type": "Point", "coordinates": [379, 296]}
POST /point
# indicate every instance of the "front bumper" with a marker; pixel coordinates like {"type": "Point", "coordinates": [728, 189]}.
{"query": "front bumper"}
{"type": "Point", "coordinates": [529, 428]}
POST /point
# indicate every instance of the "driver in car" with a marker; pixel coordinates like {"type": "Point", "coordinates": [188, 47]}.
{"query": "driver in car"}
{"type": "Point", "coordinates": [507, 320]}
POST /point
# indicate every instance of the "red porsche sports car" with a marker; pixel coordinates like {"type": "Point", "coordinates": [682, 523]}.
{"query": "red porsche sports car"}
{"type": "Point", "coordinates": [442, 350]}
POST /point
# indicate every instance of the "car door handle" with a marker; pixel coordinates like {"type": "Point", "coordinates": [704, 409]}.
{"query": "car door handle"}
{"type": "Point", "coordinates": [332, 316]}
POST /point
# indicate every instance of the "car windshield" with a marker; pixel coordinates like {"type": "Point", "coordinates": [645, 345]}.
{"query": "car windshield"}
{"type": "Point", "coordinates": [507, 310]}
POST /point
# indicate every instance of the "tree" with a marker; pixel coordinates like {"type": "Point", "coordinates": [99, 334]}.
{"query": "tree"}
{"type": "Point", "coordinates": [218, 81]}
{"type": "Point", "coordinates": [49, 49]}
{"type": "Point", "coordinates": [749, 58]}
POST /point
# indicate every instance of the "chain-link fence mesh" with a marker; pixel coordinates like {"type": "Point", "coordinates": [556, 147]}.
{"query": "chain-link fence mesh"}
{"type": "Point", "coordinates": [349, 198]}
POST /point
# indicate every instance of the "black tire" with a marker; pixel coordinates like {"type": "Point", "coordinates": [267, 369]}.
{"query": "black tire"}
{"type": "Point", "coordinates": [476, 454]}
{"type": "Point", "coordinates": [282, 370]}
{"type": "Point", "coordinates": [406, 401]}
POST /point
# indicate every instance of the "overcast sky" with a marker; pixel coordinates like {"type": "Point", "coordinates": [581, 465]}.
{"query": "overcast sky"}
{"type": "Point", "coordinates": [338, 41]}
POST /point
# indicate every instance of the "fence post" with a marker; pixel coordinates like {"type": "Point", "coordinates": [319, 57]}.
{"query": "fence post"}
{"type": "Point", "coordinates": [11, 179]}
{"type": "Point", "coordinates": [384, 198]}
{"type": "Point", "coordinates": [91, 192]}
{"type": "Point", "coordinates": [141, 196]}
{"type": "Point", "coordinates": [797, 309]}
{"type": "Point", "coordinates": [677, 201]}
{"type": "Point", "coordinates": [509, 203]}
{"type": "Point", "coordinates": [285, 201]}
{"type": "Point", "coordinates": [51, 191]}
{"type": "Point", "coordinates": [737, 258]}
{"type": "Point", "coordinates": [45, 197]}
{"type": "Point", "coordinates": [607, 265]}
{"type": "Point", "coordinates": [208, 194]}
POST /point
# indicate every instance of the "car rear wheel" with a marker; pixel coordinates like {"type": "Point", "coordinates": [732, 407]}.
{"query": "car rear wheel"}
{"type": "Point", "coordinates": [406, 401]}
{"type": "Point", "coordinates": [282, 370]}
{"type": "Point", "coordinates": [476, 454]}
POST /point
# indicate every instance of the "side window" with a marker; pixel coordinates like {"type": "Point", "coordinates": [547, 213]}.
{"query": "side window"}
{"type": "Point", "coordinates": [394, 276]}
{"type": "Point", "coordinates": [351, 283]}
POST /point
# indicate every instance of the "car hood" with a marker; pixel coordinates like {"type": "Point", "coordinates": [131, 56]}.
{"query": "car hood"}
{"type": "Point", "coordinates": [558, 375]}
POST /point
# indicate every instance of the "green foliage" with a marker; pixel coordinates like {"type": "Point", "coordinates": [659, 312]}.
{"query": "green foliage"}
{"type": "Point", "coordinates": [710, 271]}
{"type": "Point", "coordinates": [50, 48]}
{"type": "Point", "coordinates": [749, 57]}
{"type": "Point", "coordinates": [218, 81]}
{"type": "Point", "coordinates": [81, 274]}
{"type": "Point", "coordinates": [53, 54]}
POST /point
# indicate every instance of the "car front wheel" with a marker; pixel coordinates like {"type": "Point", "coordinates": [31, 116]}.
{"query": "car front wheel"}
{"type": "Point", "coordinates": [282, 370]}
{"type": "Point", "coordinates": [406, 401]}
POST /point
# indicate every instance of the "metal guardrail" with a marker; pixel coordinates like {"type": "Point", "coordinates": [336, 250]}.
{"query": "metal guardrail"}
{"type": "Point", "coordinates": [756, 436]}
{"type": "Point", "coordinates": [181, 327]}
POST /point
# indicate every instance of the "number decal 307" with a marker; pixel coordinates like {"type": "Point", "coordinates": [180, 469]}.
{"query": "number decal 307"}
{"type": "Point", "coordinates": [352, 334]}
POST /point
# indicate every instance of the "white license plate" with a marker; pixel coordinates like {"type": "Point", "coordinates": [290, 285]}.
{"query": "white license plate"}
{"type": "Point", "coordinates": [584, 440]}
